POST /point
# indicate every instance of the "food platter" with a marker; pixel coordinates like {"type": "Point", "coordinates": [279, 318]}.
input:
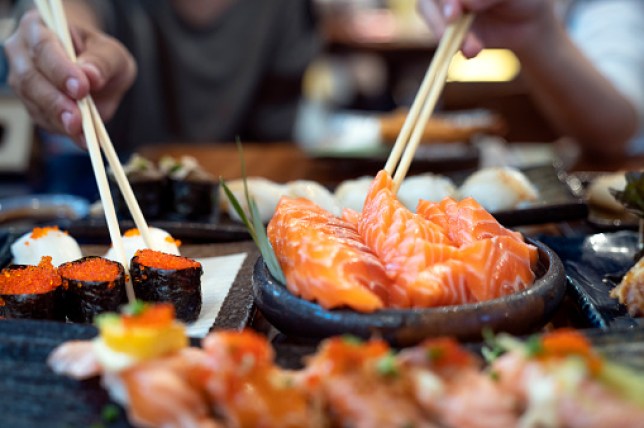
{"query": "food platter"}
{"type": "Point", "coordinates": [228, 301]}
{"type": "Point", "coordinates": [519, 313]}
{"type": "Point", "coordinates": [594, 265]}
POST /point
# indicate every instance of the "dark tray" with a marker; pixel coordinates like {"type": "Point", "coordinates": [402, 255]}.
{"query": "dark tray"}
{"type": "Point", "coordinates": [594, 265]}
{"type": "Point", "coordinates": [557, 201]}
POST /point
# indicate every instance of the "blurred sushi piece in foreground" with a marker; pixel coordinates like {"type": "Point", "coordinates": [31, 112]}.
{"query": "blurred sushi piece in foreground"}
{"type": "Point", "coordinates": [45, 241]}
{"type": "Point", "coordinates": [194, 192]}
{"type": "Point", "coordinates": [162, 277]}
{"type": "Point", "coordinates": [34, 292]}
{"type": "Point", "coordinates": [133, 241]}
{"type": "Point", "coordinates": [92, 285]}
{"type": "Point", "coordinates": [148, 186]}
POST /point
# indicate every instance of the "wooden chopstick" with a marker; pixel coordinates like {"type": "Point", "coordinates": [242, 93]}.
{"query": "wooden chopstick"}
{"type": "Point", "coordinates": [53, 14]}
{"type": "Point", "coordinates": [426, 99]}
{"type": "Point", "coordinates": [108, 147]}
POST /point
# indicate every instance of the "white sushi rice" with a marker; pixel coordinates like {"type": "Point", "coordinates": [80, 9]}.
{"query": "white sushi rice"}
{"type": "Point", "coordinates": [499, 188]}
{"type": "Point", "coordinates": [429, 187]}
{"type": "Point", "coordinates": [60, 246]}
{"type": "Point", "coordinates": [161, 241]}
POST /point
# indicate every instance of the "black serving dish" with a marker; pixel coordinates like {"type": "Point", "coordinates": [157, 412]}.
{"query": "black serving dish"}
{"type": "Point", "coordinates": [594, 265]}
{"type": "Point", "coordinates": [519, 313]}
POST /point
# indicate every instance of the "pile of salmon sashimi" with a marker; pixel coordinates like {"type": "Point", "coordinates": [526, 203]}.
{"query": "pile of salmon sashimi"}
{"type": "Point", "coordinates": [447, 253]}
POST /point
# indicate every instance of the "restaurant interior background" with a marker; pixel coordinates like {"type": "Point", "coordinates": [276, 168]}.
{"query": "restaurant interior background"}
{"type": "Point", "coordinates": [374, 55]}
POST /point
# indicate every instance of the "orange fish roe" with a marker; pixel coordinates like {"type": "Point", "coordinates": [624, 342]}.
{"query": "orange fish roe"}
{"type": "Point", "coordinates": [171, 240]}
{"type": "Point", "coordinates": [152, 316]}
{"type": "Point", "coordinates": [132, 232]}
{"type": "Point", "coordinates": [39, 232]}
{"type": "Point", "coordinates": [565, 342]}
{"type": "Point", "coordinates": [446, 352]}
{"type": "Point", "coordinates": [30, 279]}
{"type": "Point", "coordinates": [135, 232]}
{"type": "Point", "coordinates": [90, 269]}
{"type": "Point", "coordinates": [159, 260]}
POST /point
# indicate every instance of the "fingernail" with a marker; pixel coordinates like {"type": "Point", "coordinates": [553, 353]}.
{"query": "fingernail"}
{"type": "Point", "coordinates": [72, 86]}
{"type": "Point", "coordinates": [448, 9]}
{"type": "Point", "coordinates": [66, 118]}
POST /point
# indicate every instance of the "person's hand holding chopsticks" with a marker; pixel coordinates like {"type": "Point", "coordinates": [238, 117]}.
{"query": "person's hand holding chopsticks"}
{"type": "Point", "coordinates": [586, 79]}
{"type": "Point", "coordinates": [49, 83]}
{"type": "Point", "coordinates": [499, 24]}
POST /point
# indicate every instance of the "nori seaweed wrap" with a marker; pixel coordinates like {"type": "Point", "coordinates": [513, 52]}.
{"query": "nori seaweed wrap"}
{"type": "Point", "coordinates": [28, 291]}
{"type": "Point", "coordinates": [149, 188]}
{"type": "Point", "coordinates": [194, 192]}
{"type": "Point", "coordinates": [162, 277]}
{"type": "Point", "coordinates": [194, 199]}
{"type": "Point", "coordinates": [92, 285]}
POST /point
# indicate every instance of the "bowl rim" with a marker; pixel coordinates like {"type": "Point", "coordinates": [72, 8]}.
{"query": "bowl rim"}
{"type": "Point", "coordinates": [551, 282]}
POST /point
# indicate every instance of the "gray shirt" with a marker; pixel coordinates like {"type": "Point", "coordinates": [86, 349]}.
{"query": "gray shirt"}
{"type": "Point", "coordinates": [238, 77]}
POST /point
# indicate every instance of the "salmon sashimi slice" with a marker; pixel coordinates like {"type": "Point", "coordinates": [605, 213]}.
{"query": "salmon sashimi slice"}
{"type": "Point", "coordinates": [324, 258]}
{"type": "Point", "coordinates": [351, 216]}
{"type": "Point", "coordinates": [466, 221]}
{"type": "Point", "coordinates": [496, 267]}
{"type": "Point", "coordinates": [362, 386]}
{"type": "Point", "coordinates": [450, 386]}
{"type": "Point", "coordinates": [164, 391]}
{"type": "Point", "coordinates": [441, 284]}
{"type": "Point", "coordinates": [402, 239]}
{"type": "Point", "coordinates": [248, 389]}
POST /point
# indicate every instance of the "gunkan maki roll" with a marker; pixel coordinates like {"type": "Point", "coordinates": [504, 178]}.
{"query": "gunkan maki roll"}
{"type": "Point", "coordinates": [28, 291]}
{"type": "Point", "coordinates": [92, 285]}
{"type": "Point", "coordinates": [161, 277]}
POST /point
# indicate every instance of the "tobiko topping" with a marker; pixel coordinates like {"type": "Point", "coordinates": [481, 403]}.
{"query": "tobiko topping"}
{"type": "Point", "coordinates": [90, 269]}
{"type": "Point", "coordinates": [30, 279]}
{"type": "Point", "coordinates": [159, 260]}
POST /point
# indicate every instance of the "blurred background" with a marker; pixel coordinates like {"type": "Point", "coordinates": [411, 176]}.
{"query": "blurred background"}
{"type": "Point", "coordinates": [355, 92]}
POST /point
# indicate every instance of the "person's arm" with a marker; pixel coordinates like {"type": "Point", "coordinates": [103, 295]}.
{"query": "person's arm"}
{"type": "Point", "coordinates": [572, 93]}
{"type": "Point", "coordinates": [49, 83]}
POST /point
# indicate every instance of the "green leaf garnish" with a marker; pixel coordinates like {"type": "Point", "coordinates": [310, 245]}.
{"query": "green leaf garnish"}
{"type": "Point", "coordinates": [434, 353]}
{"type": "Point", "coordinates": [110, 413]}
{"type": "Point", "coordinates": [386, 366]}
{"type": "Point", "coordinates": [134, 309]}
{"type": "Point", "coordinates": [492, 349]}
{"type": "Point", "coordinates": [106, 318]}
{"type": "Point", "coordinates": [350, 339]}
{"type": "Point", "coordinates": [632, 197]}
{"type": "Point", "coordinates": [533, 346]}
{"type": "Point", "coordinates": [253, 222]}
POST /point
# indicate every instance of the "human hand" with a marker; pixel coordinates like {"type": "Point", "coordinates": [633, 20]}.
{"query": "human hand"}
{"type": "Point", "coordinates": [511, 24]}
{"type": "Point", "coordinates": [49, 83]}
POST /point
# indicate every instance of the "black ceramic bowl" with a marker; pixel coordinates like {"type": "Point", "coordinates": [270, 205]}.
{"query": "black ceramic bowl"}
{"type": "Point", "coordinates": [518, 313]}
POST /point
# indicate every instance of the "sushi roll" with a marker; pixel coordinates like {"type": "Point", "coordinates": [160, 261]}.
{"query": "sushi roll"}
{"type": "Point", "coordinates": [133, 241]}
{"type": "Point", "coordinates": [31, 247]}
{"type": "Point", "coordinates": [148, 185]}
{"type": "Point", "coordinates": [161, 277]}
{"type": "Point", "coordinates": [34, 292]}
{"type": "Point", "coordinates": [194, 192]}
{"type": "Point", "coordinates": [92, 285]}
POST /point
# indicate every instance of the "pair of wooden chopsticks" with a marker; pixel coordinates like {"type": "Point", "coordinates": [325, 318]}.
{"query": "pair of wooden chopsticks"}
{"type": "Point", "coordinates": [53, 14]}
{"type": "Point", "coordinates": [426, 99]}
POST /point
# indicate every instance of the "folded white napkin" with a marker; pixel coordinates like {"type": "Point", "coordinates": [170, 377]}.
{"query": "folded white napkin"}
{"type": "Point", "coordinates": [219, 273]}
